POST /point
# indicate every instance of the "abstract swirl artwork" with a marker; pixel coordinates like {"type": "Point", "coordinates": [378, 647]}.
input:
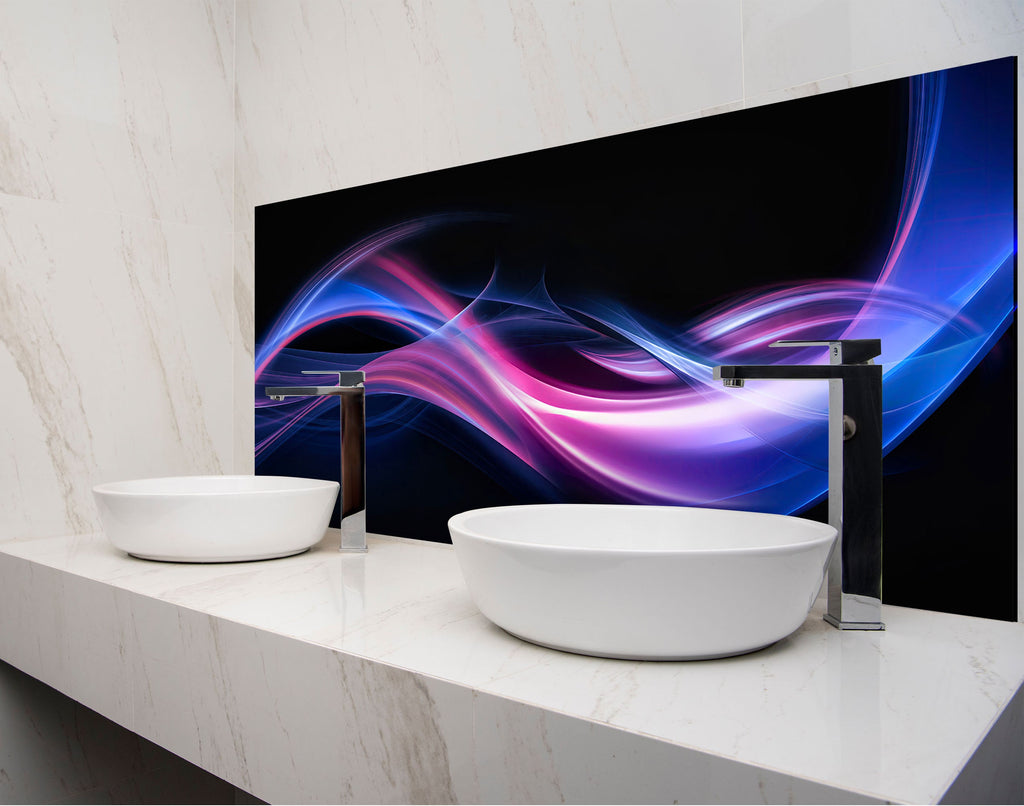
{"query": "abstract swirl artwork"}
{"type": "Point", "coordinates": [542, 327]}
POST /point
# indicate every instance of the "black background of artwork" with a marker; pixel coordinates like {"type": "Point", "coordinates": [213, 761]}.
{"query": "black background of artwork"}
{"type": "Point", "coordinates": [669, 222]}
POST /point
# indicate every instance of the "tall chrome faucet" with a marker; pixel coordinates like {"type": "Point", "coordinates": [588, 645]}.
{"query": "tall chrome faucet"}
{"type": "Point", "coordinates": [854, 470]}
{"type": "Point", "coordinates": [351, 391]}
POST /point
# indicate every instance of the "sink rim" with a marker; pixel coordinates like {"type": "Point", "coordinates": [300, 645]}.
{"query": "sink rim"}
{"type": "Point", "coordinates": [825, 533]}
{"type": "Point", "coordinates": [262, 485]}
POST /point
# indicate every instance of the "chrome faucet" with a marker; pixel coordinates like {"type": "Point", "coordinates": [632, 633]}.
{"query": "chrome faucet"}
{"type": "Point", "coordinates": [351, 390]}
{"type": "Point", "coordinates": [854, 470]}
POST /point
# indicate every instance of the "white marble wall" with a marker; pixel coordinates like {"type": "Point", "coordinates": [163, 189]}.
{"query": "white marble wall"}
{"type": "Point", "coordinates": [331, 94]}
{"type": "Point", "coordinates": [116, 312]}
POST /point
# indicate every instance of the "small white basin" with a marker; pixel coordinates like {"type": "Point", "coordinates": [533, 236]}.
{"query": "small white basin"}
{"type": "Point", "coordinates": [210, 519]}
{"type": "Point", "coordinates": [642, 582]}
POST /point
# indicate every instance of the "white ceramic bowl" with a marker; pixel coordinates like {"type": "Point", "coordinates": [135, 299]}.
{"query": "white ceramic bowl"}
{"type": "Point", "coordinates": [647, 583]}
{"type": "Point", "coordinates": [208, 519]}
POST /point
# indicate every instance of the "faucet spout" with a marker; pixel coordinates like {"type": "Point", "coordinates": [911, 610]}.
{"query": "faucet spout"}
{"type": "Point", "coordinates": [854, 469]}
{"type": "Point", "coordinates": [783, 372]}
{"type": "Point", "coordinates": [351, 389]}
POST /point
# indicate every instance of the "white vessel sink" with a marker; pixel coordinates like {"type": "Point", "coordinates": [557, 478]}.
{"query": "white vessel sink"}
{"type": "Point", "coordinates": [209, 519]}
{"type": "Point", "coordinates": [639, 582]}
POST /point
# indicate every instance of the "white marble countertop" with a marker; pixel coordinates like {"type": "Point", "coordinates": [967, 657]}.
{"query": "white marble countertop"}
{"type": "Point", "coordinates": [822, 715]}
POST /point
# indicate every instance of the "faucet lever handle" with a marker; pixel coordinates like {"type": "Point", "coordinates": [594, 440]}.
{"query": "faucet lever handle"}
{"type": "Point", "coordinates": [840, 351]}
{"type": "Point", "coordinates": [345, 377]}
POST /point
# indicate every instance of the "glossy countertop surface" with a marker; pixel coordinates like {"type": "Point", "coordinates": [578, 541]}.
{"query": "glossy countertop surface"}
{"type": "Point", "coordinates": [892, 715]}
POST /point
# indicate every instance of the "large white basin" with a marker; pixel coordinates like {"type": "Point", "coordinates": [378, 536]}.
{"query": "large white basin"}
{"type": "Point", "coordinates": [639, 582]}
{"type": "Point", "coordinates": [209, 519]}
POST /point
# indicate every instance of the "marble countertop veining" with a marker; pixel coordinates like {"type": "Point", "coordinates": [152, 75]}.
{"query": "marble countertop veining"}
{"type": "Point", "coordinates": [891, 715]}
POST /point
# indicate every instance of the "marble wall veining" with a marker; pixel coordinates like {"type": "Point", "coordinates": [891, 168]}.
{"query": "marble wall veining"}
{"type": "Point", "coordinates": [116, 239]}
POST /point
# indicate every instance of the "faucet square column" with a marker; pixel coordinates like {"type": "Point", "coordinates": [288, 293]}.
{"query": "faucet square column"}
{"type": "Point", "coordinates": [855, 500]}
